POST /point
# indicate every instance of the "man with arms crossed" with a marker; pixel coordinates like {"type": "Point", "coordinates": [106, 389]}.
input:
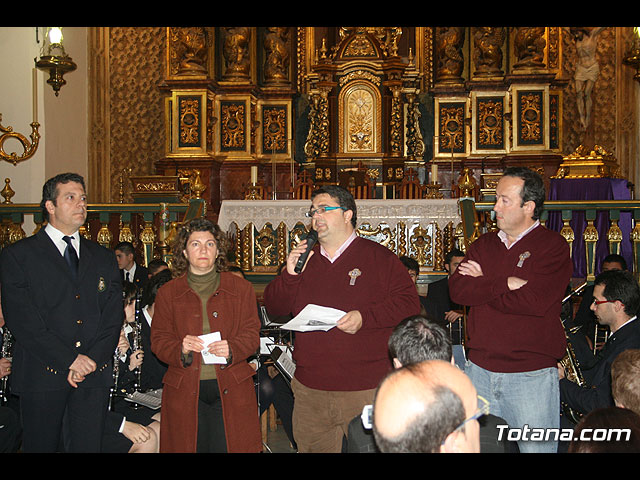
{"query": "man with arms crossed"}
{"type": "Point", "coordinates": [337, 371]}
{"type": "Point", "coordinates": [514, 281]}
{"type": "Point", "coordinates": [62, 300]}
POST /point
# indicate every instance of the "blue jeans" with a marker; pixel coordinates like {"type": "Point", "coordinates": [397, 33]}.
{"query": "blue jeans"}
{"type": "Point", "coordinates": [523, 398]}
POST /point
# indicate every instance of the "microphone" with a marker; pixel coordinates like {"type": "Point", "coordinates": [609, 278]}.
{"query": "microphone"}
{"type": "Point", "coordinates": [312, 238]}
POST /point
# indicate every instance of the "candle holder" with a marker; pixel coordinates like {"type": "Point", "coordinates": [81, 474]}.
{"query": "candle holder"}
{"type": "Point", "coordinates": [433, 190]}
{"type": "Point", "coordinates": [30, 147]}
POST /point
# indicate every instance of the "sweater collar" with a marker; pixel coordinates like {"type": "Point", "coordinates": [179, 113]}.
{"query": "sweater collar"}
{"type": "Point", "coordinates": [503, 236]}
{"type": "Point", "coordinates": [182, 285]}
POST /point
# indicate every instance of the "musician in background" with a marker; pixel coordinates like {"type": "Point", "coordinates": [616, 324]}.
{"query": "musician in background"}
{"type": "Point", "coordinates": [584, 323]}
{"type": "Point", "coordinates": [153, 370]}
{"type": "Point", "coordinates": [443, 311]}
{"type": "Point", "coordinates": [156, 266]}
{"type": "Point", "coordinates": [616, 299]}
{"type": "Point", "coordinates": [131, 271]}
{"type": "Point", "coordinates": [338, 370]}
{"type": "Point", "coordinates": [10, 430]}
{"type": "Point", "coordinates": [129, 428]}
{"type": "Point", "coordinates": [513, 281]}
{"type": "Point", "coordinates": [413, 267]}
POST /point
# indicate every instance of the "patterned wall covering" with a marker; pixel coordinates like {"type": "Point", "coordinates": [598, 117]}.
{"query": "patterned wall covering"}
{"type": "Point", "coordinates": [137, 107]}
{"type": "Point", "coordinates": [136, 115]}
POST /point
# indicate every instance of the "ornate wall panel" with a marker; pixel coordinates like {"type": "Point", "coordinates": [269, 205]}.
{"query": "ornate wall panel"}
{"type": "Point", "coordinates": [234, 130]}
{"type": "Point", "coordinates": [360, 119]}
{"type": "Point", "coordinates": [451, 131]}
{"type": "Point", "coordinates": [489, 128]}
{"type": "Point", "coordinates": [136, 107]}
{"type": "Point", "coordinates": [275, 128]}
{"type": "Point", "coordinates": [530, 110]}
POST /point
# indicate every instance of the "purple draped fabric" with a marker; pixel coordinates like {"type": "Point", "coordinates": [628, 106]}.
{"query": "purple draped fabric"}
{"type": "Point", "coordinates": [592, 189]}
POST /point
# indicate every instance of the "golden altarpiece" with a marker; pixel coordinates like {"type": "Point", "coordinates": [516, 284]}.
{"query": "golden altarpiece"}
{"type": "Point", "coordinates": [255, 114]}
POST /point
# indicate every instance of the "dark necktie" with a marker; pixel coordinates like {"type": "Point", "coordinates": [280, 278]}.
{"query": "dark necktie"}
{"type": "Point", "coordinates": [126, 279]}
{"type": "Point", "coordinates": [70, 255]}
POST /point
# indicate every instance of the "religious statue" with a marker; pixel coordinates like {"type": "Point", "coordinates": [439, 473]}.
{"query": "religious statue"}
{"type": "Point", "coordinates": [277, 54]}
{"type": "Point", "coordinates": [193, 50]}
{"type": "Point", "coordinates": [587, 69]}
{"type": "Point", "coordinates": [529, 44]}
{"type": "Point", "coordinates": [236, 52]}
{"type": "Point", "coordinates": [487, 53]}
{"type": "Point", "coordinates": [450, 61]}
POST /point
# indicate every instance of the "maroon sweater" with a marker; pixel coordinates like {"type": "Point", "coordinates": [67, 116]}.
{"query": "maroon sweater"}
{"type": "Point", "coordinates": [519, 330]}
{"type": "Point", "coordinates": [383, 293]}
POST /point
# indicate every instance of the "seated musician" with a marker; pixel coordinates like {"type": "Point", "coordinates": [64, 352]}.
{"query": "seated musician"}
{"type": "Point", "coordinates": [616, 299]}
{"type": "Point", "coordinates": [129, 427]}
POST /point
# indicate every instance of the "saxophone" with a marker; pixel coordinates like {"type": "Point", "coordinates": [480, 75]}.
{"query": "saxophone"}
{"type": "Point", "coordinates": [570, 362]}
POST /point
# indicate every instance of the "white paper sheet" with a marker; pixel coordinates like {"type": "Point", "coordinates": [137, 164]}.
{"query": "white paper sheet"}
{"type": "Point", "coordinates": [313, 318]}
{"type": "Point", "coordinates": [210, 357]}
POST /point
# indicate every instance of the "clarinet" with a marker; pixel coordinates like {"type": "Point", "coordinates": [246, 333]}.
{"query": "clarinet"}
{"type": "Point", "coordinates": [116, 376]}
{"type": "Point", "coordinates": [137, 344]}
{"type": "Point", "coordinates": [7, 348]}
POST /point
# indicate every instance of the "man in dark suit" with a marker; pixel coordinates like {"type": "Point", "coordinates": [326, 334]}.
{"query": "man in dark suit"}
{"type": "Point", "coordinates": [582, 329]}
{"type": "Point", "coordinates": [616, 298]}
{"type": "Point", "coordinates": [130, 270]}
{"type": "Point", "coordinates": [62, 301]}
{"type": "Point", "coordinates": [442, 311]}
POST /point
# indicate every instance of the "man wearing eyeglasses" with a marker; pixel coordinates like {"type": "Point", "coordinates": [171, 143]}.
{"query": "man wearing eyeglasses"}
{"type": "Point", "coordinates": [616, 299]}
{"type": "Point", "coordinates": [428, 407]}
{"type": "Point", "coordinates": [337, 371]}
{"type": "Point", "coordinates": [514, 281]}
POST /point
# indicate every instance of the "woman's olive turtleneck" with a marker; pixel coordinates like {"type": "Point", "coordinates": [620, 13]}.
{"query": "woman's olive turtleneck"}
{"type": "Point", "coordinates": [205, 285]}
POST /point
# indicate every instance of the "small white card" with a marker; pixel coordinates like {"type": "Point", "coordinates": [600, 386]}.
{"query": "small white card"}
{"type": "Point", "coordinates": [207, 357]}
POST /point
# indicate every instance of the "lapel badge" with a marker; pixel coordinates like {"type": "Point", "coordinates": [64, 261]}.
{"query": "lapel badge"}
{"type": "Point", "coordinates": [102, 286]}
{"type": "Point", "coordinates": [523, 257]}
{"type": "Point", "coordinates": [353, 275]}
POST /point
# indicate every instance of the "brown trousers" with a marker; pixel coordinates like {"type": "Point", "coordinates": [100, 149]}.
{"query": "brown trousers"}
{"type": "Point", "coordinates": [321, 418]}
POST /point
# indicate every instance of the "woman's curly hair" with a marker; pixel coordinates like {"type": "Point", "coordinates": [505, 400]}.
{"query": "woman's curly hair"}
{"type": "Point", "coordinates": [179, 263]}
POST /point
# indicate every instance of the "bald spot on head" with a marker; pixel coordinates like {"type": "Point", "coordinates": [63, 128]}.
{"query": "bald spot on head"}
{"type": "Point", "coordinates": [405, 394]}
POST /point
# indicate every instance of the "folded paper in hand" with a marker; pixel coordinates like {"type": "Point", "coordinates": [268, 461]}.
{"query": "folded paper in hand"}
{"type": "Point", "coordinates": [207, 357]}
{"type": "Point", "coordinates": [314, 317]}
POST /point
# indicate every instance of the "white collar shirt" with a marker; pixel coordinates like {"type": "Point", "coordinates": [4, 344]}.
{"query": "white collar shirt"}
{"type": "Point", "coordinates": [56, 237]}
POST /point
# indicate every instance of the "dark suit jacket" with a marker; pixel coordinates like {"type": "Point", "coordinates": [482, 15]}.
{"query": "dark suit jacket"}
{"type": "Point", "coordinates": [54, 317]}
{"type": "Point", "coordinates": [597, 393]}
{"type": "Point", "coordinates": [438, 301]}
{"type": "Point", "coordinates": [140, 277]}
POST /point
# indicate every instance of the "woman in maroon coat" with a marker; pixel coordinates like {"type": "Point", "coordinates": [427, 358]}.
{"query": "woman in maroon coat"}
{"type": "Point", "coordinates": [206, 407]}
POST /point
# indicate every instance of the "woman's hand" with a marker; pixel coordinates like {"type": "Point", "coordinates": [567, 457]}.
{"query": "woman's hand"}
{"type": "Point", "coordinates": [191, 343]}
{"type": "Point", "coordinates": [220, 349]}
